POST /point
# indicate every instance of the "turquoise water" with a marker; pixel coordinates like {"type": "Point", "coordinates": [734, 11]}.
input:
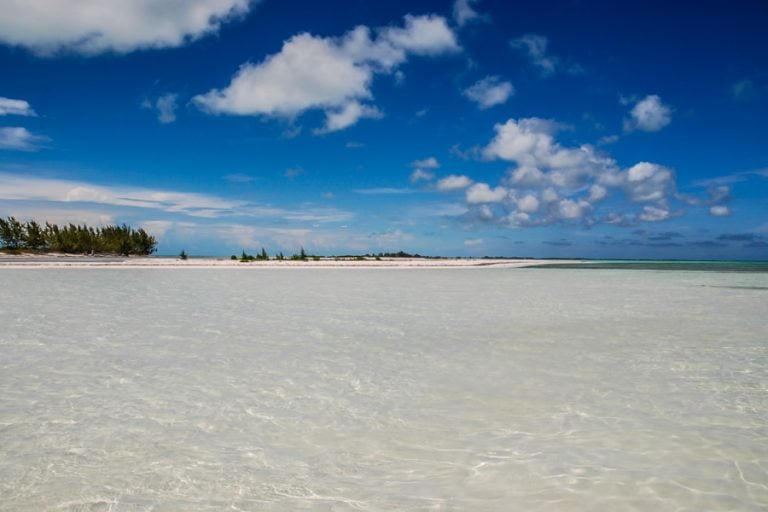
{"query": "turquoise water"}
{"type": "Point", "coordinates": [383, 389]}
{"type": "Point", "coordinates": [677, 265]}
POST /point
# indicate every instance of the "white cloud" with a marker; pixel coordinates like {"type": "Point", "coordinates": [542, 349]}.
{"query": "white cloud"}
{"type": "Point", "coordinates": [463, 12]}
{"type": "Point", "coordinates": [648, 115]}
{"type": "Point", "coordinates": [719, 210]}
{"type": "Point", "coordinates": [553, 183]}
{"type": "Point", "coordinates": [596, 193]}
{"type": "Point", "coordinates": [332, 74]}
{"type": "Point", "coordinates": [528, 204]}
{"type": "Point", "coordinates": [390, 238]}
{"type": "Point", "coordinates": [654, 214]}
{"type": "Point", "coordinates": [239, 177]}
{"type": "Point", "coordinates": [570, 210]}
{"type": "Point", "coordinates": [535, 48]}
{"type": "Point", "coordinates": [473, 242]}
{"type": "Point", "coordinates": [481, 193]}
{"type": "Point", "coordinates": [19, 138]}
{"type": "Point", "coordinates": [347, 115]}
{"type": "Point", "coordinates": [384, 191]}
{"type": "Point", "coordinates": [422, 35]}
{"type": "Point", "coordinates": [541, 160]}
{"type": "Point", "coordinates": [165, 106]}
{"type": "Point", "coordinates": [18, 188]}
{"type": "Point", "coordinates": [649, 182]}
{"type": "Point", "coordinates": [421, 175]}
{"type": "Point", "coordinates": [308, 72]}
{"type": "Point", "coordinates": [293, 172]}
{"type": "Point", "coordinates": [453, 182]}
{"type": "Point", "coordinates": [57, 215]}
{"type": "Point", "coordinates": [13, 107]}
{"type": "Point", "coordinates": [427, 163]}
{"type": "Point", "coordinates": [744, 90]}
{"type": "Point", "coordinates": [489, 91]}
{"type": "Point", "coordinates": [156, 227]}
{"type": "Point", "coordinates": [90, 27]}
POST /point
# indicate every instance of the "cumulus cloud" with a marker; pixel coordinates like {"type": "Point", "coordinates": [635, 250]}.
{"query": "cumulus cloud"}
{"type": "Point", "coordinates": [528, 204]}
{"type": "Point", "coordinates": [551, 182]}
{"type": "Point", "coordinates": [480, 193]}
{"type": "Point", "coordinates": [332, 74]}
{"type": "Point", "coordinates": [308, 72]}
{"type": "Point", "coordinates": [422, 35]}
{"type": "Point", "coordinates": [20, 139]}
{"type": "Point", "coordinates": [648, 182]}
{"type": "Point", "coordinates": [13, 107]}
{"type": "Point", "coordinates": [453, 182]}
{"type": "Point", "coordinates": [648, 115]}
{"type": "Point", "coordinates": [90, 27]}
{"type": "Point", "coordinates": [541, 160]}
{"type": "Point", "coordinates": [489, 91]}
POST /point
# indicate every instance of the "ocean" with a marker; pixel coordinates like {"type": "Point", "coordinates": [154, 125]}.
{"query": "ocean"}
{"type": "Point", "coordinates": [477, 389]}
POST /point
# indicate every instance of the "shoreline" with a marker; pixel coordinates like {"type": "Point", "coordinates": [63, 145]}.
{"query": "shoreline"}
{"type": "Point", "coordinates": [55, 261]}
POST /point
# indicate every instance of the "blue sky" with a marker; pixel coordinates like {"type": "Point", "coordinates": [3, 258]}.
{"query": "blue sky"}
{"type": "Point", "coordinates": [470, 128]}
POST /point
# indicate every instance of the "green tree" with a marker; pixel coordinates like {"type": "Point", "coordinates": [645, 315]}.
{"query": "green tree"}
{"type": "Point", "coordinates": [12, 233]}
{"type": "Point", "coordinates": [35, 236]}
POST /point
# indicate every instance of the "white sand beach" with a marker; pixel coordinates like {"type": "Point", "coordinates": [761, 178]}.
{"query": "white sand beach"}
{"type": "Point", "coordinates": [78, 261]}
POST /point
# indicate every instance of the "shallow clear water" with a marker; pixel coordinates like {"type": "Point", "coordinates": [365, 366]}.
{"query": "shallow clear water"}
{"type": "Point", "coordinates": [383, 389]}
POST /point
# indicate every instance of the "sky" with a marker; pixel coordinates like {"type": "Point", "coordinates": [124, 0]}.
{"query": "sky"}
{"type": "Point", "coordinates": [594, 129]}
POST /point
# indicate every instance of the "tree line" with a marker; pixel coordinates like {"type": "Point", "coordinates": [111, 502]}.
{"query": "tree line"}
{"type": "Point", "coordinates": [16, 235]}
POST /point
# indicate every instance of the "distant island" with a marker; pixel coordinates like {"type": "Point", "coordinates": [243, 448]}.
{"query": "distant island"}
{"type": "Point", "coordinates": [17, 236]}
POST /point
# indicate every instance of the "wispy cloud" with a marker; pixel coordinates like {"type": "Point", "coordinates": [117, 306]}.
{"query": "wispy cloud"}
{"type": "Point", "coordinates": [14, 188]}
{"type": "Point", "coordinates": [165, 106]}
{"type": "Point", "coordinates": [535, 48]}
{"type": "Point", "coordinates": [385, 190]}
{"type": "Point", "coordinates": [745, 90]}
{"type": "Point", "coordinates": [20, 139]}
{"type": "Point", "coordinates": [240, 178]}
{"type": "Point", "coordinates": [464, 13]}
